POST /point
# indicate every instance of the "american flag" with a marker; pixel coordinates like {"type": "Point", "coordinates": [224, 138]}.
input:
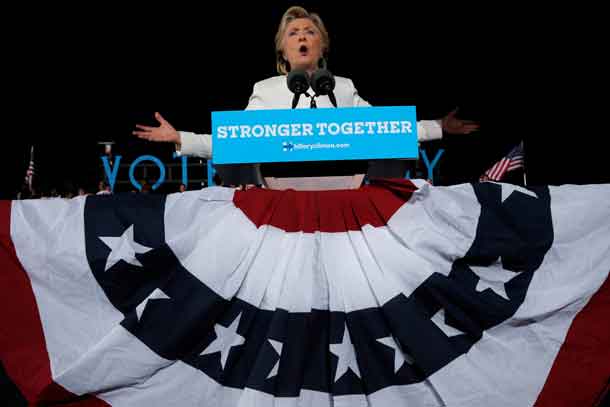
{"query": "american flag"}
{"type": "Point", "coordinates": [29, 174]}
{"type": "Point", "coordinates": [512, 161]}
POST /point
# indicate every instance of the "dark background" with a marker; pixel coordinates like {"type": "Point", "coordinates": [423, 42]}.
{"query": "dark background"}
{"type": "Point", "coordinates": [76, 77]}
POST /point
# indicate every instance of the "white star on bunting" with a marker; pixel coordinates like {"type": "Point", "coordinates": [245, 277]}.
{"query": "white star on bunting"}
{"type": "Point", "coordinates": [226, 338]}
{"type": "Point", "coordinates": [346, 354]}
{"type": "Point", "coordinates": [508, 189]}
{"type": "Point", "coordinates": [277, 346]}
{"type": "Point", "coordinates": [439, 320]}
{"type": "Point", "coordinates": [155, 295]}
{"type": "Point", "coordinates": [399, 356]}
{"type": "Point", "coordinates": [493, 277]}
{"type": "Point", "coordinates": [124, 248]}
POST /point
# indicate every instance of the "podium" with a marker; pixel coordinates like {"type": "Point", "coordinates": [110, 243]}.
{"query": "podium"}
{"type": "Point", "coordinates": [317, 149]}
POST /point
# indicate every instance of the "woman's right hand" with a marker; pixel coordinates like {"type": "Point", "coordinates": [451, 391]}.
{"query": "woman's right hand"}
{"type": "Point", "coordinates": [164, 133]}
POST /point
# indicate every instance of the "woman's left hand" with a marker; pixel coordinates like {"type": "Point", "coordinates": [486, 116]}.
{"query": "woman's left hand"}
{"type": "Point", "coordinates": [453, 125]}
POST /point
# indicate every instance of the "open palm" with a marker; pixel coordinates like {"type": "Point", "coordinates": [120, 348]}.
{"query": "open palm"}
{"type": "Point", "coordinates": [164, 133]}
{"type": "Point", "coordinates": [452, 125]}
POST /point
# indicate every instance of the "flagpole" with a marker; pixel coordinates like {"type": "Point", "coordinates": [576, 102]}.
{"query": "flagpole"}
{"type": "Point", "coordinates": [30, 171]}
{"type": "Point", "coordinates": [524, 167]}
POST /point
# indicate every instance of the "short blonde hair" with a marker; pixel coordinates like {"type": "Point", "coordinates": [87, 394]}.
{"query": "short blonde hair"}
{"type": "Point", "coordinates": [293, 13]}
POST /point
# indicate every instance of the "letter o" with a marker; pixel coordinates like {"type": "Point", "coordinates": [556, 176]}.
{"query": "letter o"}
{"type": "Point", "coordinates": [258, 131]}
{"type": "Point", "coordinates": [333, 129]}
{"type": "Point", "coordinates": [147, 158]}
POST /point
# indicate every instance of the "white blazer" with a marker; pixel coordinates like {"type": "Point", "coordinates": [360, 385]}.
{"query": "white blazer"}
{"type": "Point", "coordinates": [273, 93]}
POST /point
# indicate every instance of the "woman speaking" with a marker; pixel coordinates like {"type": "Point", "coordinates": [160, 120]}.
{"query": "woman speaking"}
{"type": "Point", "coordinates": [301, 43]}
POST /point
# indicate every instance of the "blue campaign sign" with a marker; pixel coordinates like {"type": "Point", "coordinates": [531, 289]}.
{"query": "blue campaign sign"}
{"type": "Point", "coordinates": [354, 133]}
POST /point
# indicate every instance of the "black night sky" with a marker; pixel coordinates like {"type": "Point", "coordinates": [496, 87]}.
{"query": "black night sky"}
{"type": "Point", "coordinates": [75, 77]}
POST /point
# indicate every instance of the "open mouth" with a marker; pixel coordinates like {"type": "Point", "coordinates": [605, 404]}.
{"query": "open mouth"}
{"type": "Point", "coordinates": [303, 50]}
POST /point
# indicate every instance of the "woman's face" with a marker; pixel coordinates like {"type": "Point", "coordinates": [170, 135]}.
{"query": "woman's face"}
{"type": "Point", "coordinates": [302, 45]}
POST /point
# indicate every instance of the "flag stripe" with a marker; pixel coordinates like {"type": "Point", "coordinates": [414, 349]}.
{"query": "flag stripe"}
{"type": "Point", "coordinates": [492, 169]}
{"type": "Point", "coordinates": [581, 370]}
{"type": "Point", "coordinates": [309, 211]}
{"type": "Point", "coordinates": [26, 361]}
{"type": "Point", "coordinates": [499, 169]}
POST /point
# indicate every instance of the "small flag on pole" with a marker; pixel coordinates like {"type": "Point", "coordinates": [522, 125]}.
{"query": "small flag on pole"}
{"type": "Point", "coordinates": [29, 174]}
{"type": "Point", "coordinates": [512, 161]}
